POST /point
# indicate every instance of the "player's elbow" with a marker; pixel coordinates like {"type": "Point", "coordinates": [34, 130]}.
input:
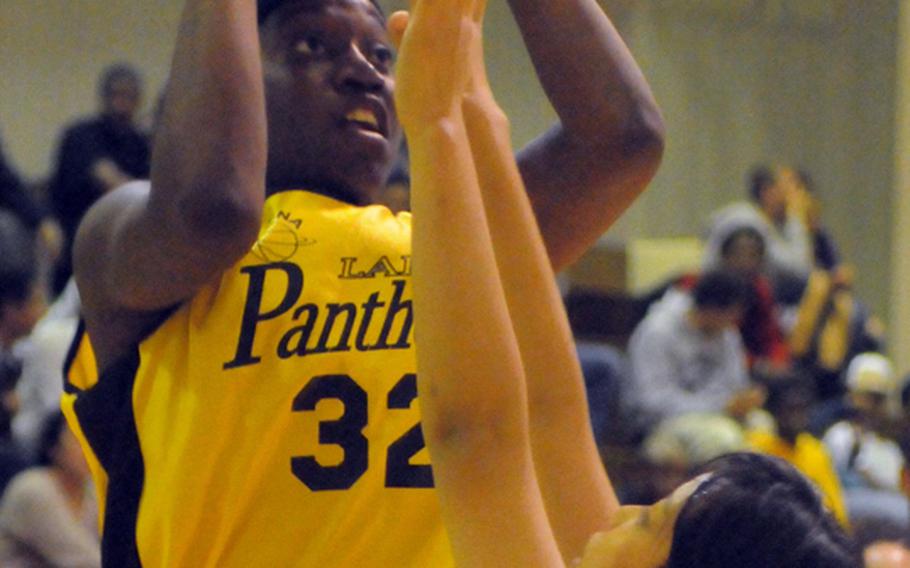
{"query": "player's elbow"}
{"type": "Point", "coordinates": [220, 216]}
{"type": "Point", "coordinates": [640, 140]}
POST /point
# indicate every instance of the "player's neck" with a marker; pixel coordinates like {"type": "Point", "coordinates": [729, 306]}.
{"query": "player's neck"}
{"type": "Point", "coordinates": [335, 191]}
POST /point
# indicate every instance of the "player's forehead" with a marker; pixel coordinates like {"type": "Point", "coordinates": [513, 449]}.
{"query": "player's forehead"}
{"type": "Point", "coordinates": [279, 11]}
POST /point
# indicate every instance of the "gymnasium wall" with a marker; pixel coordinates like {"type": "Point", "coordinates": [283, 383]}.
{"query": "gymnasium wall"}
{"type": "Point", "coordinates": [740, 81]}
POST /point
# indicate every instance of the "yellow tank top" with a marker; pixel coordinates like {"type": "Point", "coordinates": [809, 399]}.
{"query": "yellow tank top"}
{"type": "Point", "coordinates": [271, 420]}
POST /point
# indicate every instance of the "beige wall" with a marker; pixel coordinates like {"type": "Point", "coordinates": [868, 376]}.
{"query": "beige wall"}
{"type": "Point", "coordinates": [51, 52]}
{"type": "Point", "coordinates": [740, 81]}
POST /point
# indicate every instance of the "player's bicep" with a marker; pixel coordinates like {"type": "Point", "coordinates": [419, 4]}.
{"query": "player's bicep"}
{"type": "Point", "coordinates": [567, 179]}
{"type": "Point", "coordinates": [132, 253]}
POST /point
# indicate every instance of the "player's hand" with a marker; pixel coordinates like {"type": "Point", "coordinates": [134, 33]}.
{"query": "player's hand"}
{"type": "Point", "coordinates": [437, 42]}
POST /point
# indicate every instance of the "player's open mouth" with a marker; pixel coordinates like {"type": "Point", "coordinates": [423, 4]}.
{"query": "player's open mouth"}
{"type": "Point", "coordinates": [364, 119]}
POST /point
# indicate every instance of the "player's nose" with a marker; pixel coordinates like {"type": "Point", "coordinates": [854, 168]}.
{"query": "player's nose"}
{"type": "Point", "coordinates": [357, 73]}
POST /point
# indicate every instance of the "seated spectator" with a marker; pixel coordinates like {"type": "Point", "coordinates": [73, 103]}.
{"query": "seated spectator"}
{"type": "Point", "coordinates": [742, 250]}
{"type": "Point", "coordinates": [824, 252]}
{"type": "Point", "coordinates": [12, 457]}
{"type": "Point", "coordinates": [22, 299]}
{"type": "Point", "coordinates": [869, 465]}
{"type": "Point", "coordinates": [43, 356]}
{"type": "Point", "coordinates": [396, 195]}
{"type": "Point", "coordinates": [884, 544]}
{"type": "Point", "coordinates": [830, 326]}
{"type": "Point", "coordinates": [886, 554]}
{"type": "Point", "coordinates": [606, 374]}
{"type": "Point", "coordinates": [679, 447]}
{"type": "Point", "coordinates": [789, 401]}
{"type": "Point", "coordinates": [687, 355]}
{"type": "Point", "coordinates": [48, 515]}
{"type": "Point", "coordinates": [776, 212]}
{"type": "Point", "coordinates": [98, 154]}
{"type": "Point", "coordinates": [14, 197]}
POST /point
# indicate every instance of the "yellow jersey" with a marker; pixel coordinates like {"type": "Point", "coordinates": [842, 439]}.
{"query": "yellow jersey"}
{"type": "Point", "coordinates": [811, 458]}
{"type": "Point", "coordinates": [271, 420]}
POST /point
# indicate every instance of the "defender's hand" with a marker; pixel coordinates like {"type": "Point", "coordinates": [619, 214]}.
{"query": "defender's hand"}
{"type": "Point", "coordinates": [437, 41]}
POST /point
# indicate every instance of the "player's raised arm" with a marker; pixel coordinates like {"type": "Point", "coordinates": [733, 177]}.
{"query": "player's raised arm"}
{"type": "Point", "coordinates": [148, 246]}
{"type": "Point", "coordinates": [578, 496]}
{"type": "Point", "coordinates": [583, 173]}
{"type": "Point", "coordinates": [472, 392]}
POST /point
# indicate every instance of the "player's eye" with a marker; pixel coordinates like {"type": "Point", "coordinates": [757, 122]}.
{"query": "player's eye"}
{"type": "Point", "coordinates": [309, 45]}
{"type": "Point", "coordinates": [381, 56]}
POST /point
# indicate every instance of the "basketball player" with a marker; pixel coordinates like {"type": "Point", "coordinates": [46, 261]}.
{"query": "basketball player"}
{"type": "Point", "coordinates": [249, 310]}
{"type": "Point", "coordinates": [517, 472]}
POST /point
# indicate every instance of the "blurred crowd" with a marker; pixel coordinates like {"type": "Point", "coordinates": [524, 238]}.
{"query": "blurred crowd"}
{"type": "Point", "coordinates": [767, 348]}
{"type": "Point", "coordinates": [48, 510]}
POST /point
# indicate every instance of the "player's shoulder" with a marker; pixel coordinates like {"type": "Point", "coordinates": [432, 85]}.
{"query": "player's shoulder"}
{"type": "Point", "coordinates": [107, 213]}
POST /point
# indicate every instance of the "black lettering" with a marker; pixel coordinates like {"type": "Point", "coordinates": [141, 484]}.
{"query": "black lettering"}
{"type": "Point", "coordinates": [368, 307]}
{"type": "Point", "coordinates": [347, 269]}
{"type": "Point", "coordinates": [406, 265]}
{"type": "Point", "coordinates": [383, 266]}
{"type": "Point", "coordinates": [251, 311]}
{"type": "Point", "coordinates": [396, 306]}
{"type": "Point", "coordinates": [344, 342]}
{"type": "Point", "coordinates": [300, 333]}
{"type": "Point", "coordinates": [287, 217]}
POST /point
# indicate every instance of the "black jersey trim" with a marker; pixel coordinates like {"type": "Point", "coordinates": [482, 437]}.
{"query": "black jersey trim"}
{"type": "Point", "coordinates": [71, 353]}
{"type": "Point", "coordinates": [105, 414]}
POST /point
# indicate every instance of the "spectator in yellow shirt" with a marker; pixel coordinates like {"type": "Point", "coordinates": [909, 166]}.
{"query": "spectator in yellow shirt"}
{"type": "Point", "coordinates": [789, 401]}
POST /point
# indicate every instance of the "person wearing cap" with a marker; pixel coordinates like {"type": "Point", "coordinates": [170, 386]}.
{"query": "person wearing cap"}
{"type": "Point", "coordinates": [868, 464]}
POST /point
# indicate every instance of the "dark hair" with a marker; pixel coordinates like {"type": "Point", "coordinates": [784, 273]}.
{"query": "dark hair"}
{"type": "Point", "coordinates": [728, 241]}
{"type": "Point", "coordinates": [720, 288]}
{"type": "Point", "coordinates": [783, 389]}
{"type": "Point", "coordinates": [757, 511]}
{"type": "Point", "coordinates": [17, 260]}
{"type": "Point", "coordinates": [266, 7]}
{"type": "Point", "coordinates": [761, 178]}
{"type": "Point", "coordinates": [10, 371]}
{"type": "Point", "coordinates": [117, 72]}
{"type": "Point", "coordinates": [53, 426]}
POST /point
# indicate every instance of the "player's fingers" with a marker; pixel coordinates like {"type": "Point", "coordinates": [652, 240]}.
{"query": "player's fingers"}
{"type": "Point", "coordinates": [397, 24]}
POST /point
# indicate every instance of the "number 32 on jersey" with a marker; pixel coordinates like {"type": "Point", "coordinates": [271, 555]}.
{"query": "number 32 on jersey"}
{"type": "Point", "coordinates": [347, 433]}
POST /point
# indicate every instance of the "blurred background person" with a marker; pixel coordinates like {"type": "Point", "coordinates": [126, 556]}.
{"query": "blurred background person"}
{"type": "Point", "coordinates": [868, 464]}
{"type": "Point", "coordinates": [789, 401]}
{"type": "Point", "coordinates": [687, 355]}
{"type": "Point", "coordinates": [48, 514]}
{"type": "Point", "coordinates": [22, 299]}
{"type": "Point", "coordinates": [13, 457]}
{"type": "Point", "coordinates": [779, 215]}
{"type": "Point", "coordinates": [98, 154]}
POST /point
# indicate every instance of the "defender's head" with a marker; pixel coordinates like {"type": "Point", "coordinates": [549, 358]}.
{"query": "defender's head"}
{"type": "Point", "coordinates": [332, 126]}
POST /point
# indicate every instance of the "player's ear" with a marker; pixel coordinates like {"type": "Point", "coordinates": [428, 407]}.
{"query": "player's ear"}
{"type": "Point", "coordinates": [397, 24]}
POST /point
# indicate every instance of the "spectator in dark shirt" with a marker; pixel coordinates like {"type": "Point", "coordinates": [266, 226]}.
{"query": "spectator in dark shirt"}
{"type": "Point", "coordinates": [13, 458]}
{"type": "Point", "coordinates": [99, 154]}
{"type": "Point", "coordinates": [14, 197]}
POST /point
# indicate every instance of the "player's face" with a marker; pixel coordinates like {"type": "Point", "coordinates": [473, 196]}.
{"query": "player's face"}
{"type": "Point", "coordinates": [641, 536]}
{"type": "Point", "coordinates": [331, 118]}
